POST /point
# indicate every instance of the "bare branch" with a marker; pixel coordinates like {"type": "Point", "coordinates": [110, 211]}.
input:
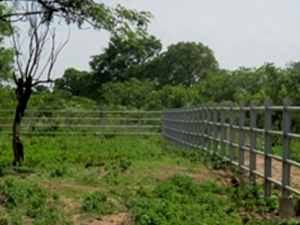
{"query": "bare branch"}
{"type": "Point", "coordinates": [39, 34]}
{"type": "Point", "coordinates": [41, 82]}
{"type": "Point", "coordinates": [16, 47]}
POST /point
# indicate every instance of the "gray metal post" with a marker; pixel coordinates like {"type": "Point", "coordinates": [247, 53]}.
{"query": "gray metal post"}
{"type": "Point", "coordinates": [185, 128]}
{"type": "Point", "coordinates": [286, 152]}
{"type": "Point", "coordinates": [163, 125]}
{"type": "Point", "coordinates": [241, 135]}
{"type": "Point", "coordinates": [198, 129]}
{"type": "Point", "coordinates": [170, 133]}
{"type": "Point", "coordinates": [203, 143]}
{"type": "Point", "coordinates": [192, 137]}
{"type": "Point", "coordinates": [103, 124]}
{"type": "Point", "coordinates": [176, 116]}
{"type": "Point", "coordinates": [232, 133]}
{"type": "Point", "coordinates": [194, 124]}
{"type": "Point", "coordinates": [215, 128]}
{"type": "Point", "coordinates": [68, 121]}
{"type": "Point", "coordinates": [208, 120]}
{"type": "Point", "coordinates": [31, 123]}
{"type": "Point", "coordinates": [189, 136]}
{"type": "Point", "coordinates": [171, 116]}
{"type": "Point", "coordinates": [181, 127]}
{"type": "Point", "coordinates": [139, 125]}
{"type": "Point", "coordinates": [253, 122]}
{"type": "Point", "coordinates": [222, 130]}
{"type": "Point", "coordinates": [268, 149]}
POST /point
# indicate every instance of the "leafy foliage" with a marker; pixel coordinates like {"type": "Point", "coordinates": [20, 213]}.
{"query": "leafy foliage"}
{"type": "Point", "coordinates": [179, 200]}
{"type": "Point", "coordinates": [6, 54]}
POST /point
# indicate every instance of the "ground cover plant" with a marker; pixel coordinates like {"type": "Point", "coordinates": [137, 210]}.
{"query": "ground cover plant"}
{"type": "Point", "coordinates": [124, 180]}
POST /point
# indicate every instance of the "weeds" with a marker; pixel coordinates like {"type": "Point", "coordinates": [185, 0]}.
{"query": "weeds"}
{"type": "Point", "coordinates": [124, 169]}
{"type": "Point", "coordinates": [179, 200]}
{"type": "Point", "coordinates": [98, 203]}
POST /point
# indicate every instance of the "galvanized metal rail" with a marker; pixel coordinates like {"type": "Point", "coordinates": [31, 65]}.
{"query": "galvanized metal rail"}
{"type": "Point", "coordinates": [71, 122]}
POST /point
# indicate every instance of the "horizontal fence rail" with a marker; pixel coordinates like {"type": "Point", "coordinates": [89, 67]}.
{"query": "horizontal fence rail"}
{"type": "Point", "coordinates": [71, 122]}
{"type": "Point", "coordinates": [240, 134]}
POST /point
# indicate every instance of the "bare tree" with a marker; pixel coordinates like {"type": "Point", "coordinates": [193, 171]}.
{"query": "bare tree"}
{"type": "Point", "coordinates": [35, 64]}
{"type": "Point", "coordinates": [36, 55]}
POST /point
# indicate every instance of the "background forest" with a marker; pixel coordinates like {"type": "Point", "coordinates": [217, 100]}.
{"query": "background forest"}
{"type": "Point", "coordinates": [134, 73]}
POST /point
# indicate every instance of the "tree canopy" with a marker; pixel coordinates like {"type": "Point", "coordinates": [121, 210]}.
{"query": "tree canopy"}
{"type": "Point", "coordinates": [124, 54]}
{"type": "Point", "coordinates": [80, 12]}
{"type": "Point", "coordinates": [6, 54]}
{"type": "Point", "coordinates": [189, 62]}
{"type": "Point", "coordinates": [74, 82]}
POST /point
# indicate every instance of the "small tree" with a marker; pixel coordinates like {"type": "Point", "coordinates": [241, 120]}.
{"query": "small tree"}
{"type": "Point", "coordinates": [35, 62]}
{"type": "Point", "coordinates": [32, 70]}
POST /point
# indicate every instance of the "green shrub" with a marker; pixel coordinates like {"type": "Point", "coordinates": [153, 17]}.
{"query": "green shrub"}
{"type": "Point", "coordinates": [59, 170]}
{"type": "Point", "coordinates": [4, 220]}
{"type": "Point", "coordinates": [16, 192]}
{"type": "Point", "coordinates": [179, 200]}
{"type": "Point", "coordinates": [98, 202]}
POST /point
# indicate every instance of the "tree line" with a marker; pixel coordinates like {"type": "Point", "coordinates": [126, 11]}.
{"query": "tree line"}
{"type": "Point", "coordinates": [132, 72]}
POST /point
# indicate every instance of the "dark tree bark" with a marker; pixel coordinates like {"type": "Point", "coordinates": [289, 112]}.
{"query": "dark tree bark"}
{"type": "Point", "coordinates": [23, 92]}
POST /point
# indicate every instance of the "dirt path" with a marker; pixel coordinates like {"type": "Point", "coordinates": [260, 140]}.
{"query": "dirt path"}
{"type": "Point", "coordinates": [276, 170]}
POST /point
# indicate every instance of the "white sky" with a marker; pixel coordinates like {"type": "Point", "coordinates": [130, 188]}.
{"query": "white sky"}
{"type": "Point", "coordinates": [241, 33]}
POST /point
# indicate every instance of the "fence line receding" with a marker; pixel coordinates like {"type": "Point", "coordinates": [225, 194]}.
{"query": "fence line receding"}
{"type": "Point", "coordinates": [71, 122]}
{"type": "Point", "coordinates": [239, 134]}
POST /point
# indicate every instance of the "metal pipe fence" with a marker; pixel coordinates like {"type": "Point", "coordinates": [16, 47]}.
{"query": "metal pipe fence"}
{"type": "Point", "coordinates": [71, 122]}
{"type": "Point", "coordinates": [235, 132]}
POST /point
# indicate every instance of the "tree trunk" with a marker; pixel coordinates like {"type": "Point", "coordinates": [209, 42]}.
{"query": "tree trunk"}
{"type": "Point", "coordinates": [23, 92]}
{"type": "Point", "coordinates": [17, 142]}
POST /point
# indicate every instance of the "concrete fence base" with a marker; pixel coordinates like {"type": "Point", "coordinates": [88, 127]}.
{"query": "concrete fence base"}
{"type": "Point", "coordinates": [286, 207]}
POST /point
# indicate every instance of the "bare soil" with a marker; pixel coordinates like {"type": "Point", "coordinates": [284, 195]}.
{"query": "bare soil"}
{"type": "Point", "coordinates": [276, 172]}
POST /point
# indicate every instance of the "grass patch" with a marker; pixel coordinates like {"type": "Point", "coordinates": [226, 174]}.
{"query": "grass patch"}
{"type": "Point", "coordinates": [65, 180]}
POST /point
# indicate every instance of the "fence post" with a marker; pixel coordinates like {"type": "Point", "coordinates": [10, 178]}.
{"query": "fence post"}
{"type": "Point", "coordinates": [198, 127]}
{"type": "Point", "coordinates": [253, 122]}
{"type": "Point", "coordinates": [222, 130]}
{"type": "Point", "coordinates": [177, 126]}
{"type": "Point", "coordinates": [180, 128]}
{"type": "Point", "coordinates": [232, 133]}
{"type": "Point", "coordinates": [241, 135]}
{"type": "Point", "coordinates": [286, 154]}
{"type": "Point", "coordinates": [68, 121]}
{"type": "Point", "coordinates": [203, 144]}
{"type": "Point", "coordinates": [103, 124]}
{"type": "Point", "coordinates": [163, 124]}
{"type": "Point", "coordinates": [31, 123]}
{"type": "Point", "coordinates": [194, 127]}
{"type": "Point", "coordinates": [188, 127]}
{"type": "Point", "coordinates": [215, 128]}
{"type": "Point", "coordinates": [208, 120]}
{"type": "Point", "coordinates": [268, 148]}
{"type": "Point", "coordinates": [184, 128]}
{"type": "Point", "coordinates": [139, 126]}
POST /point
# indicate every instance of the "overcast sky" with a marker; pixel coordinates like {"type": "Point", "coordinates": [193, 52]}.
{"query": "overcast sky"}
{"type": "Point", "coordinates": [240, 33]}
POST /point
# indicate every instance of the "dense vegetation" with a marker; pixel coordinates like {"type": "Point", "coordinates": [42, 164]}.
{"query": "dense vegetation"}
{"type": "Point", "coordinates": [84, 179]}
{"type": "Point", "coordinates": [66, 180]}
{"type": "Point", "coordinates": [133, 72]}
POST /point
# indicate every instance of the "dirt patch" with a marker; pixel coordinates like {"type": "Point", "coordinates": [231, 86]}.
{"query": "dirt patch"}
{"type": "Point", "coordinates": [164, 173]}
{"type": "Point", "coordinates": [199, 177]}
{"type": "Point", "coordinates": [71, 205]}
{"type": "Point", "coordinates": [276, 171]}
{"type": "Point", "coordinates": [119, 219]}
{"type": "Point", "coordinates": [63, 186]}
